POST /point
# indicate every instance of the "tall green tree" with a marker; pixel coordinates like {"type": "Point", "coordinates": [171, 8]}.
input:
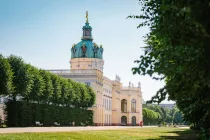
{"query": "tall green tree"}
{"type": "Point", "coordinates": [166, 115]}
{"type": "Point", "coordinates": [92, 96]}
{"type": "Point", "coordinates": [177, 50]}
{"type": "Point", "coordinates": [48, 88]}
{"type": "Point", "coordinates": [178, 118]}
{"type": "Point", "coordinates": [22, 78]}
{"type": "Point", "coordinates": [150, 117]}
{"type": "Point", "coordinates": [85, 97]}
{"type": "Point", "coordinates": [155, 108]}
{"type": "Point", "coordinates": [56, 89]}
{"type": "Point", "coordinates": [77, 99]}
{"type": "Point", "coordinates": [6, 76]}
{"type": "Point", "coordinates": [38, 86]}
{"type": "Point", "coordinates": [65, 90]}
{"type": "Point", "coordinates": [71, 94]}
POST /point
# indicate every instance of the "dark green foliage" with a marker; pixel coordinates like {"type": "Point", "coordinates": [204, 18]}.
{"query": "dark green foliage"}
{"type": "Point", "coordinates": [34, 85]}
{"type": "Point", "coordinates": [178, 117]}
{"type": "Point", "coordinates": [65, 90]}
{"type": "Point", "coordinates": [178, 51]}
{"type": "Point", "coordinates": [71, 94]}
{"type": "Point", "coordinates": [43, 93]}
{"type": "Point", "coordinates": [56, 89]}
{"type": "Point", "coordinates": [38, 87]}
{"type": "Point", "coordinates": [92, 96]}
{"type": "Point", "coordinates": [5, 76]}
{"type": "Point", "coordinates": [166, 116]}
{"type": "Point", "coordinates": [48, 88]}
{"type": "Point", "coordinates": [24, 114]}
{"type": "Point", "coordinates": [77, 99]}
{"type": "Point", "coordinates": [22, 77]}
{"type": "Point", "coordinates": [85, 96]}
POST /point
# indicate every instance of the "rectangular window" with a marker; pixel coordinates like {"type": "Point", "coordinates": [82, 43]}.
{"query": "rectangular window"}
{"type": "Point", "coordinates": [105, 103]}
{"type": "Point", "coordinates": [109, 104]}
{"type": "Point", "coordinates": [88, 83]}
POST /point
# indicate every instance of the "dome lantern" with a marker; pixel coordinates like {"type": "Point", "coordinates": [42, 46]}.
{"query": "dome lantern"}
{"type": "Point", "coordinates": [86, 48]}
{"type": "Point", "coordinates": [87, 30]}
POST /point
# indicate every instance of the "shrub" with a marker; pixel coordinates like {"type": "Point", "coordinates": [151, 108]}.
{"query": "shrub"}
{"type": "Point", "coordinates": [24, 114]}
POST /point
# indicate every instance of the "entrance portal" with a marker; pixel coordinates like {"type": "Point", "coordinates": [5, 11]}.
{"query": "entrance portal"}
{"type": "Point", "coordinates": [123, 120]}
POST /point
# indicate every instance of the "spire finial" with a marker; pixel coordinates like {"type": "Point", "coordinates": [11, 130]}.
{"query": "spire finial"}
{"type": "Point", "coordinates": [86, 16]}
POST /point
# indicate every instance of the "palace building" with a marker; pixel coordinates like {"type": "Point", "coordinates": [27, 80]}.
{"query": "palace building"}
{"type": "Point", "coordinates": [115, 104]}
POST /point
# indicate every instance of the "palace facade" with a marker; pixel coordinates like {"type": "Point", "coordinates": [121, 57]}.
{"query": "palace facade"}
{"type": "Point", "coordinates": [115, 104]}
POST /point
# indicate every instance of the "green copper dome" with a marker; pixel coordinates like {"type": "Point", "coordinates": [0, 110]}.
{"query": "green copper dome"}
{"type": "Point", "coordinates": [86, 48]}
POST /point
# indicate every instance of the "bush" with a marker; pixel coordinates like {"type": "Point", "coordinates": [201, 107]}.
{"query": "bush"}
{"type": "Point", "coordinates": [24, 114]}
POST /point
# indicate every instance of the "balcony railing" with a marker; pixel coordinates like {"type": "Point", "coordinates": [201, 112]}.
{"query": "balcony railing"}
{"type": "Point", "coordinates": [73, 72]}
{"type": "Point", "coordinates": [130, 88]}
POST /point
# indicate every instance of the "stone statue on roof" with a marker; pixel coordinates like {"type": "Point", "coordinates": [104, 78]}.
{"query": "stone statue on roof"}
{"type": "Point", "coordinates": [73, 50]}
{"type": "Point", "coordinates": [117, 78]}
{"type": "Point", "coordinates": [139, 84]}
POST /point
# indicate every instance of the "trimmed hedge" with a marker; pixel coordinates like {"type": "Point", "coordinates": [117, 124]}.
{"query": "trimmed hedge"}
{"type": "Point", "coordinates": [44, 96]}
{"type": "Point", "coordinates": [24, 114]}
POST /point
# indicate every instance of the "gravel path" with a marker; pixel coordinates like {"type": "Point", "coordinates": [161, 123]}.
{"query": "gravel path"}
{"type": "Point", "coordinates": [63, 129]}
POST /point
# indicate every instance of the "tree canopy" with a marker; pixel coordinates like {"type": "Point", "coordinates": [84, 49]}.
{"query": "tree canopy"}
{"type": "Point", "coordinates": [165, 116]}
{"type": "Point", "coordinates": [150, 116]}
{"type": "Point", "coordinates": [6, 76]}
{"type": "Point", "coordinates": [177, 51]}
{"type": "Point", "coordinates": [22, 81]}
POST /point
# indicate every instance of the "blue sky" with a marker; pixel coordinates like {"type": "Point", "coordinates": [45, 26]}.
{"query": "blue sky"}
{"type": "Point", "coordinates": [43, 31]}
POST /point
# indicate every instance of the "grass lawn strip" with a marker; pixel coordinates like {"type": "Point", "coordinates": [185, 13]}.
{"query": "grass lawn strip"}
{"type": "Point", "coordinates": [122, 134]}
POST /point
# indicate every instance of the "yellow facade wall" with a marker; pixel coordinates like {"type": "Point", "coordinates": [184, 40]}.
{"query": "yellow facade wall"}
{"type": "Point", "coordinates": [109, 93]}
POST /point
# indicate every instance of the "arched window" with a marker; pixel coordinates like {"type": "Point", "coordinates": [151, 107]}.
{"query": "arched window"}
{"type": "Point", "coordinates": [124, 105]}
{"type": "Point", "coordinates": [133, 105]}
{"type": "Point", "coordinates": [104, 102]}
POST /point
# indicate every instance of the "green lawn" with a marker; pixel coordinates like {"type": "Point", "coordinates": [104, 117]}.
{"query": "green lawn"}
{"type": "Point", "coordinates": [122, 134]}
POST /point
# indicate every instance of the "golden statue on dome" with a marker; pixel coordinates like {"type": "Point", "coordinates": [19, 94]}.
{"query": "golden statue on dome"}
{"type": "Point", "coordinates": [86, 16]}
